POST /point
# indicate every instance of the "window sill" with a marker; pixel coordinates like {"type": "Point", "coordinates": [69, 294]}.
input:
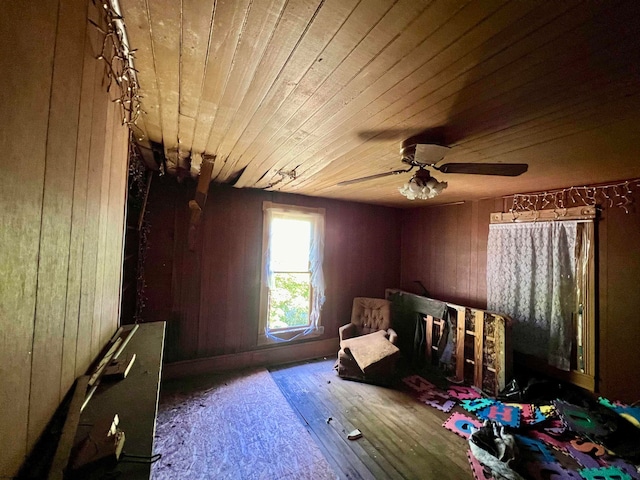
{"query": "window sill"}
{"type": "Point", "coordinates": [289, 335]}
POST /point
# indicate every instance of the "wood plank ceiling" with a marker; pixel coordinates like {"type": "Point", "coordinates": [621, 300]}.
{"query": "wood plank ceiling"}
{"type": "Point", "coordinates": [298, 95]}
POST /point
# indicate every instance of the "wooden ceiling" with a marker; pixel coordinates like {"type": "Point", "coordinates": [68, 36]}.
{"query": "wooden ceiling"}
{"type": "Point", "coordinates": [328, 89]}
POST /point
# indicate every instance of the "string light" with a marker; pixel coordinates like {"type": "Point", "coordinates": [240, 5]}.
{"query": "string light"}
{"type": "Point", "coordinates": [118, 60]}
{"type": "Point", "coordinates": [613, 195]}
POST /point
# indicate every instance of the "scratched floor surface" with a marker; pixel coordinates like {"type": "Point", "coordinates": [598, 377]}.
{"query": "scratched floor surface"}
{"type": "Point", "coordinates": [233, 426]}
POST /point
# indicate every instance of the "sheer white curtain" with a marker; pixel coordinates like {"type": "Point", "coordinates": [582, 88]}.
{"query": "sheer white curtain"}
{"type": "Point", "coordinates": [531, 277]}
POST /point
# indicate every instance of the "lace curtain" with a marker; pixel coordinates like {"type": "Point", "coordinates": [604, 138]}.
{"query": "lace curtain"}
{"type": "Point", "coordinates": [531, 277]}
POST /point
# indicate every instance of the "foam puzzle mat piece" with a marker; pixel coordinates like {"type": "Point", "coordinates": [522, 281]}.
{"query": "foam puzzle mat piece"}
{"type": "Point", "coordinates": [417, 383]}
{"type": "Point", "coordinates": [476, 404]}
{"type": "Point", "coordinates": [480, 472]}
{"type": "Point", "coordinates": [579, 419]}
{"type": "Point", "coordinates": [547, 471]}
{"type": "Point", "coordinates": [462, 425]}
{"type": "Point", "coordinates": [586, 446]}
{"type": "Point", "coordinates": [501, 413]}
{"type": "Point", "coordinates": [551, 440]}
{"type": "Point", "coordinates": [626, 467]}
{"type": "Point", "coordinates": [462, 392]}
{"type": "Point", "coordinates": [437, 399]}
{"type": "Point", "coordinates": [584, 459]}
{"type": "Point", "coordinates": [604, 473]}
{"type": "Point", "coordinates": [534, 449]}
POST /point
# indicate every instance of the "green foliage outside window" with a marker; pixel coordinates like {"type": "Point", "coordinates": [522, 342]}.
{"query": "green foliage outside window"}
{"type": "Point", "coordinates": [289, 300]}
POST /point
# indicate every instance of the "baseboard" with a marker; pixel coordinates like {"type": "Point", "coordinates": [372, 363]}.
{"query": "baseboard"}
{"type": "Point", "coordinates": [263, 357]}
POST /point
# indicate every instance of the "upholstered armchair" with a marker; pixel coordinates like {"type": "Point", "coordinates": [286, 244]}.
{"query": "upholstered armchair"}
{"type": "Point", "coordinates": [367, 343]}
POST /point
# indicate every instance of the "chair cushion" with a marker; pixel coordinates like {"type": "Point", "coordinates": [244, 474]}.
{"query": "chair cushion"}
{"type": "Point", "coordinates": [372, 352]}
{"type": "Point", "coordinates": [371, 314]}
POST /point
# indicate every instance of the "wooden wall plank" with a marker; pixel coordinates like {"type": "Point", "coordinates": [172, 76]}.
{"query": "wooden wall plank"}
{"type": "Point", "coordinates": [618, 255]}
{"type": "Point", "coordinates": [215, 289]}
{"type": "Point", "coordinates": [55, 228]}
{"type": "Point", "coordinates": [74, 327]}
{"type": "Point", "coordinates": [27, 63]}
{"type": "Point", "coordinates": [88, 350]}
{"type": "Point", "coordinates": [102, 228]}
{"type": "Point", "coordinates": [53, 136]}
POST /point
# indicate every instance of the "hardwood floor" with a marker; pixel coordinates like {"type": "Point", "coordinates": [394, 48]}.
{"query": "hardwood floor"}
{"type": "Point", "coordinates": [402, 438]}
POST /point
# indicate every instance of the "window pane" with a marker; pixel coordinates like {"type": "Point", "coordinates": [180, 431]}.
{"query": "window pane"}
{"type": "Point", "coordinates": [289, 301]}
{"type": "Point", "coordinates": [290, 244]}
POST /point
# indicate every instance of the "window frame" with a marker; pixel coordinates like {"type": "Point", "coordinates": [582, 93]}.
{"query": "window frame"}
{"type": "Point", "coordinates": [292, 333]}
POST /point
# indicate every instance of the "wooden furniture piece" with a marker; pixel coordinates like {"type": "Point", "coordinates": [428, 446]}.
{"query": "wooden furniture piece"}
{"type": "Point", "coordinates": [482, 340]}
{"type": "Point", "coordinates": [133, 399]}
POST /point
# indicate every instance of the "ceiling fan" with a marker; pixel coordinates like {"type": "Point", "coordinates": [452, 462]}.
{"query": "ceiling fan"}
{"type": "Point", "coordinates": [422, 155]}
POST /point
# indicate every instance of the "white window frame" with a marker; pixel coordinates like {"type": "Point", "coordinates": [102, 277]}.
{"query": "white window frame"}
{"type": "Point", "coordinates": [314, 329]}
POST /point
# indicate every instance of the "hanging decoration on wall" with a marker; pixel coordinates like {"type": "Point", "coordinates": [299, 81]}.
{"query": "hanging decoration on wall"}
{"type": "Point", "coordinates": [118, 60]}
{"type": "Point", "coordinates": [612, 195]}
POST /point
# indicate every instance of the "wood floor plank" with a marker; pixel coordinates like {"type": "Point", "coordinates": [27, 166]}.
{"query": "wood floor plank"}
{"type": "Point", "coordinates": [401, 437]}
{"type": "Point", "coordinates": [314, 418]}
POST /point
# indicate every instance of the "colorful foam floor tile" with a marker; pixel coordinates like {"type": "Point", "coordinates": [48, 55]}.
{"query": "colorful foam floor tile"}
{"type": "Point", "coordinates": [501, 413]}
{"type": "Point", "coordinates": [551, 440]}
{"type": "Point", "coordinates": [462, 392]}
{"type": "Point", "coordinates": [546, 471]}
{"type": "Point", "coordinates": [579, 419]}
{"type": "Point", "coordinates": [604, 473]}
{"type": "Point", "coordinates": [547, 410]}
{"type": "Point", "coordinates": [630, 413]}
{"type": "Point", "coordinates": [476, 404]}
{"type": "Point", "coordinates": [462, 425]}
{"type": "Point", "coordinates": [418, 384]}
{"type": "Point", "coordinates": [437, 399]}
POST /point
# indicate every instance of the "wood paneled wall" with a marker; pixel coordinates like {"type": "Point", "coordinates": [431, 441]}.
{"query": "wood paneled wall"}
{"type": "Point", "coordinates": [210, 296]}
{"type": "Point", "coordinates": [62, 188]}
{"type": "Point", "coordinates": [445, 248]}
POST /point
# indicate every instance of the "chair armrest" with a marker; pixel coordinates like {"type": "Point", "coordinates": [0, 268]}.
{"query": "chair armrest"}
{"type": "Point", "coordinates": [347, 331]}
{"type": "Point", "coordinates": [393, 336]}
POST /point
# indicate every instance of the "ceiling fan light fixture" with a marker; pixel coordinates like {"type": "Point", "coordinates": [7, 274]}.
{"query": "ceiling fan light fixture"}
{"type": "Point", "coordinates": [422, 186]}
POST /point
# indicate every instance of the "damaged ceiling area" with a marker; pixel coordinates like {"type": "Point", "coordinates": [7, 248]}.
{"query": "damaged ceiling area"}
{"type": "Point", "coordinates": [303, 96]}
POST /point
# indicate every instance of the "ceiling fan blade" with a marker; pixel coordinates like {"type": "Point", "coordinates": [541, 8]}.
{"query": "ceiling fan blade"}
{"type": "Point", "coordinates": [502, 169]}
{"type": "Point", "coordinates": [372, 177]}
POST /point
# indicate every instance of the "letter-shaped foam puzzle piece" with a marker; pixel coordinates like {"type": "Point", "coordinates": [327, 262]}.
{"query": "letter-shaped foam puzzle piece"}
{"type": "Point", "coordinates": [462, 425]}
{"type": "Point", "coordinates": [476, 404]}
{"type": "Point", "coordinates": [579, 419]}
{"type": "Point", "coordinates": [437, 399]}
{"type": "Point", "coordinates": [550, 471]}
{"type": "Point", "coordinates": [461, 392]}
{"type": "Point", "coordinates": [501, 413]}
{"type": "Point", "coordinates": [480, 472]}
{"type": "Point", "coordinates": [604, 473]}
{"type": "Point", "coordinates": [588, 447]}
{"type": "Point", "coordinates": [535, 449]}
{"type": "Point", "coordinates": [417, 383]}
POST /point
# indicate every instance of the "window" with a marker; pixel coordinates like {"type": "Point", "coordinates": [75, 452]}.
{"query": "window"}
{"type": "Point", "coordinates": [292, 286]}
{"type": "Point", "coordinates": [541, 271]}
